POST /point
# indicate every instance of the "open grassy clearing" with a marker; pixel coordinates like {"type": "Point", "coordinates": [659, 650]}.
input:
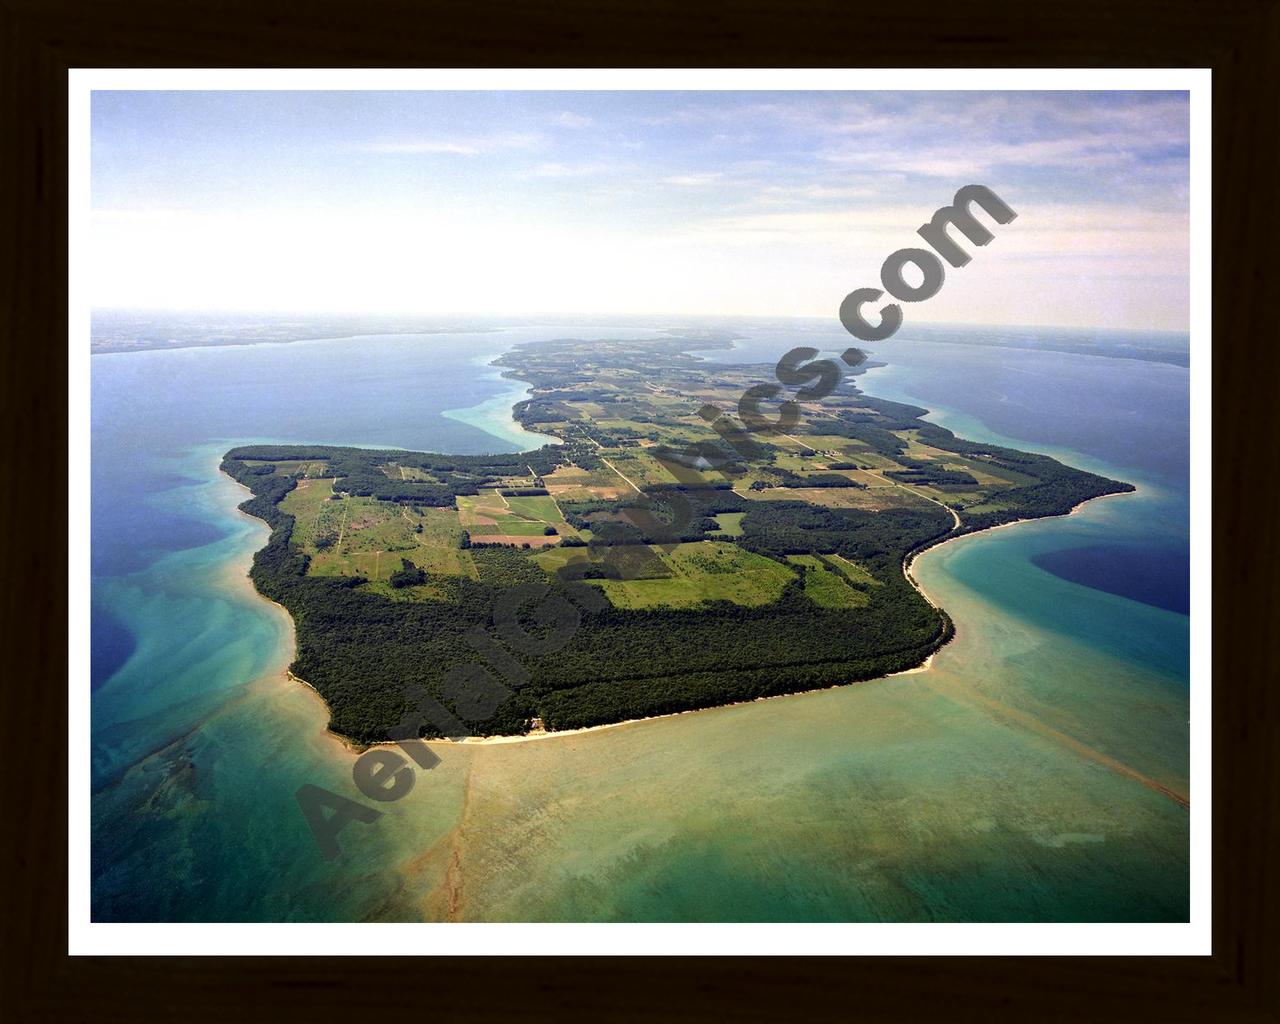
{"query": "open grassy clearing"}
{"type": "Point", "coordinates": [292, 467]}
{"type": "Point", "coordinates": [855, 572]}
{"type": "Point", "coordinates": [552, 560]}
{"type": "Point", "coordinates": [541, 507]}
{"type": "Point", "coordinates": [730, 523]}
{"type": "Point", "coordinates": [798, 463]}
{"type": "Point", "coordinates": [438, 545]}
{"type": "Point", "coordinates": [572, 483]}
{"type": "Point", "coordinates": [989, 506]}
{"type": "Point", "coordinates": [371, 541]}
{"type": "Point", "coordinates": [395, 471]}
{"type": "Point", "coordinates": [493, 518]}
{"type": "Point", "coordinates": [792, 444]}
{"type": "Point", "coordinates": [701, 572]}
{"type": "Point", "coordinates": [349, 536]}
{"type": "Point", "coordinates": [988, 474]}
{"type": "Point", "coordinates": [615, 425]}
{"type": "Point", "coordinates": [833, 443]}
{"type": "Point", "coordinates": [315, 515]}
{"type": "Point", "coordinates": [827, 587]}
{"type": "Point", "coordinates": [868, 459]}
{"type": "Point", "coordinates": [640, 469]}
{"type": "Point", "coordinates": [872, 499]}
{"type": "Point", "coordinates": [864, 476]}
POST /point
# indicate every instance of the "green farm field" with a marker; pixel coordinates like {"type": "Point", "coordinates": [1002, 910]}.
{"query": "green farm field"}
{"type": "Point", "coordinates": [362, 536]}
{"type": "Point", "coordinates": [492, 517]}
{"type": "Point", "coordinates": [702, 572]}
{"type": "Point", "coordinates": [825, 585]}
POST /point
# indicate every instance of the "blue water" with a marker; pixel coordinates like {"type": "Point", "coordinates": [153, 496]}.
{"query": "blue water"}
{"type": "Point", "coordinates": [1154, 575]}
{"type": "Point", "coordinates": [184, 828]}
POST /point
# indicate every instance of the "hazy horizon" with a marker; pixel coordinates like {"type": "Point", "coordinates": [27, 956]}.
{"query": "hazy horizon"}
{"type": "Point", "coordinates": [771, 204]}
{"type": "Point", "coordinates": [621, 315]}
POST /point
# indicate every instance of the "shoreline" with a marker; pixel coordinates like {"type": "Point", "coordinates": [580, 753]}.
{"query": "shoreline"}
{"type": "Point", "coordinates": [509, 427]}
{"type": "Point", "coordinates": [240, 581]}
{"type": "Point", "coordinates": [907, 566]}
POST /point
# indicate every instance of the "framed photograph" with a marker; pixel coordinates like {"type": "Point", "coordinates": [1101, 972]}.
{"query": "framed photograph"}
{"type": "Point", "coordinates": [773, 530]}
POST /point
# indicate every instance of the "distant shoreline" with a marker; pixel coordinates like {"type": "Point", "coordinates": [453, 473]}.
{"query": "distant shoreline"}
{"type": "Point", "coordinates": [1136, 350]}
{"type": "Point", "coordinates": [506, 427]}
{"type": "Point", "coordinates": [116, 348]}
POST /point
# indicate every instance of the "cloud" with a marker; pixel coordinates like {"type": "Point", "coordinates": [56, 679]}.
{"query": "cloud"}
{"type": "Point", "coordinates": [462, 148]}
{"type": "Point", "coordinates": [563, 170]}
{"type": "Point", "coordinates": [143, 215]}
{"type": "Point", "coordinates": [1043, 231]}
{"type": "Point", "coordinates": [571, 120]}
{"type": "Point", "coordinates": [458, 147]}
{"type": "Point", "coordinates": [804, 193]}
{"type": "Point", "coordinates": [993, 132]}
{"type": "Point", "coordinates": [694, 180]}
{"type": "Point", "coordinates": [1089, 151]}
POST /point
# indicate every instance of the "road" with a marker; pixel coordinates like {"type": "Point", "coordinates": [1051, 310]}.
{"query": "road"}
{"type": "Point", "coordinates": [621, 474]}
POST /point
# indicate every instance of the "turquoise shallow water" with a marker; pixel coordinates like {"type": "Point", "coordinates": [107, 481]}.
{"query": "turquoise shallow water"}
{"type": "Point", "coordinates": [1019, 778]}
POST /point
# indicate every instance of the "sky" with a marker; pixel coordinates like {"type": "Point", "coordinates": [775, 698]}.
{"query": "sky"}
{"type": "Point", "coordinates": [731, 203]}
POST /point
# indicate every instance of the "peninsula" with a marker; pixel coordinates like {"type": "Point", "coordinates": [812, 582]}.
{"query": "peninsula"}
{"type": "Point", "coordinates": [789, 573]}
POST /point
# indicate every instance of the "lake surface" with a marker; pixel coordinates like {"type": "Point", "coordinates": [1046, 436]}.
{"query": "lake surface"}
{"type": "Point", "coordinates": [1023, 777]}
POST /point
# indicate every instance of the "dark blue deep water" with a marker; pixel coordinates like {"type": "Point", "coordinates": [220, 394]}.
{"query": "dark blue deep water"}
{"type": "Point", "coordinates": [1155, 574]}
